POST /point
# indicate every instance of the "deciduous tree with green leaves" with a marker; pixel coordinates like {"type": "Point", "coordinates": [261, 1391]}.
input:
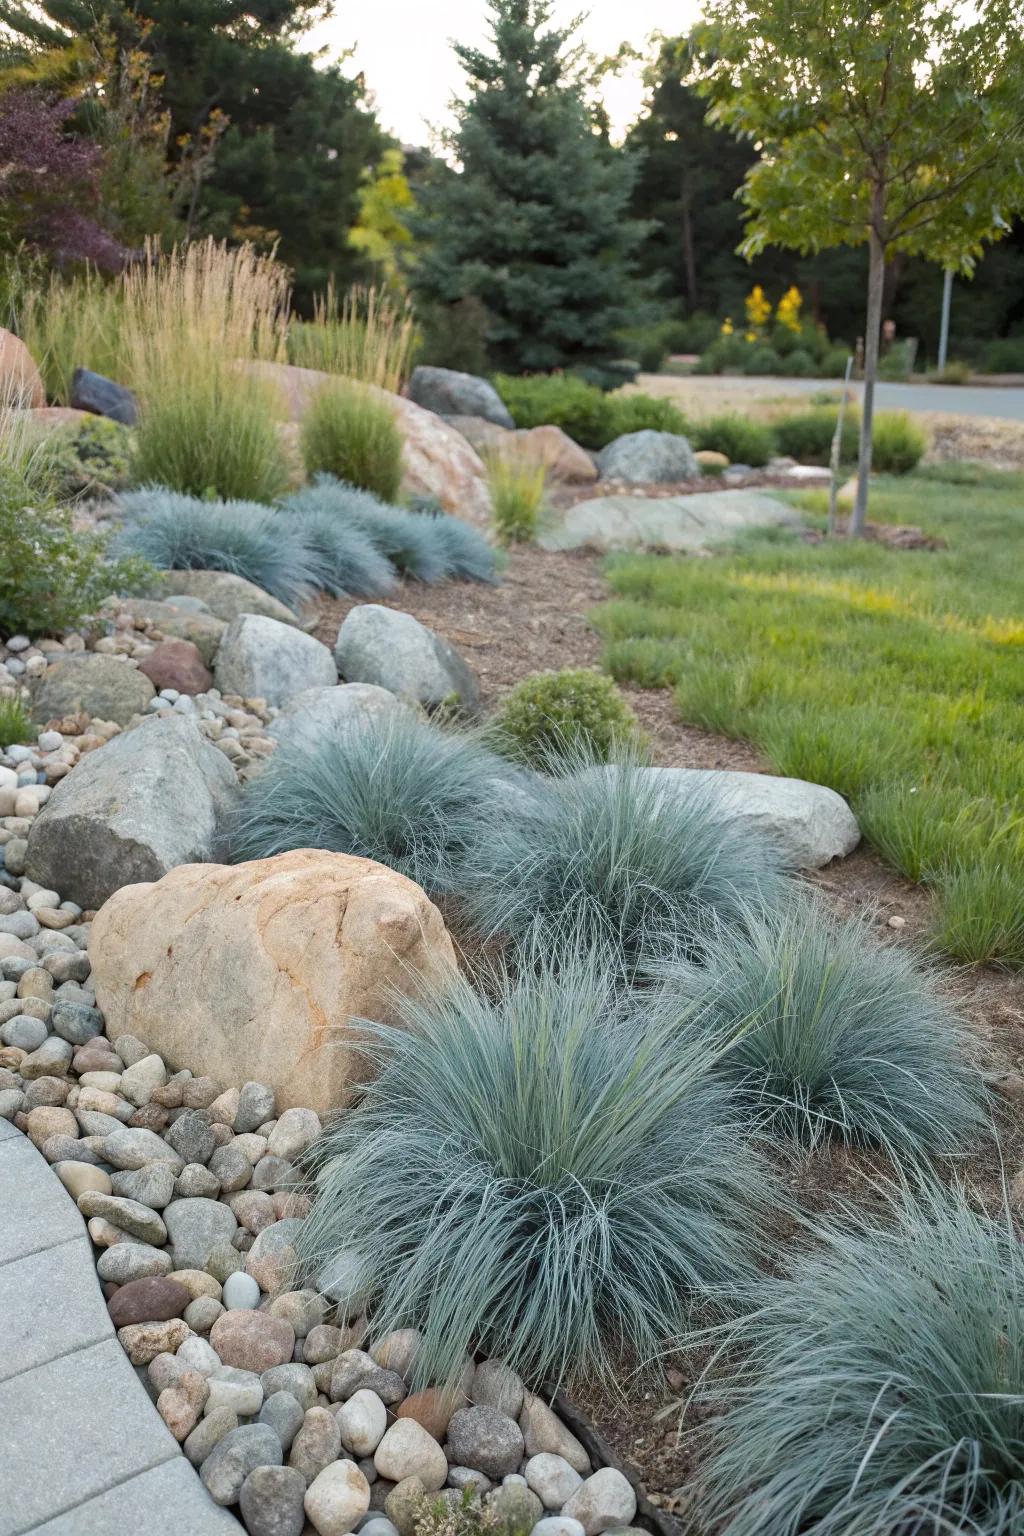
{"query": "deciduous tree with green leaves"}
{"type": "Point", "coordinates": [895, 122]}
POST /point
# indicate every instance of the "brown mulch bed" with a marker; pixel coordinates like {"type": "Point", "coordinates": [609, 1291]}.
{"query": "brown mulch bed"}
{"type": "Point", "coordinates": [536, 619]}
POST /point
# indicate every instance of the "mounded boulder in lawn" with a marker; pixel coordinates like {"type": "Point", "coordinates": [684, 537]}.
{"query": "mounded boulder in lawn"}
{"type": "Point", "coordinates": [665, 522]}
{"type": "Point", "coordinates": [317, 712]}
{"type": "Point", "coordinates": [152, 798]}
{"type": "Point", "coordinates": [447, 392]}
{"type": "Point", "coordinates": [438, 462]}
{"type": "Point", "coordinates": [810, 823]}
{"type": "Point", "coordinates": [395, 651]}
{"type": "Point", "coordinates": [257, 970]}
{"type": "Point", "coordinates": [648, 458]}
{"type": "Point", "coordinates": [103, 397]}
{"type": "Point", "coordinates": [102, 687]}
{"type": "Point", "coordinates": [260, 658]}
{"type": "Point", "coordinates": [227, 596]}
{"type": "Point", "coordinates": [21, 384]}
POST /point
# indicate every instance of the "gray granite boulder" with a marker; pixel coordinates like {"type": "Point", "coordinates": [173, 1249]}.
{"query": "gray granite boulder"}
{"type": "Point", "coordinates": [103, 397]}
{"type": "Point", "coordinates": [227, 595]}
{"type": "Point", "coordinates": [262, 658]}
{"type": "Point", "coordinates": [395, 651]}
{"type": "Point", "coordinates": [449, 393]}
{"type": "Point", "coordinates": [152, 798]}
{"type": "Point", "coordinates": [646, 458]}
{"type": "Point", "coordinates": [318, 712]}
{"type": "Point", "coordinates": [102, 687]}
{"type": "Point", "coordinates": [689, 522]}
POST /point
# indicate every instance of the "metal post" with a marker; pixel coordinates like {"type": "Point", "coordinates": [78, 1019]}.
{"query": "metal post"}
{"type": "Point", "coordinates": [837, 439]}
{"type": "Point", "coordinates": [947, 298]}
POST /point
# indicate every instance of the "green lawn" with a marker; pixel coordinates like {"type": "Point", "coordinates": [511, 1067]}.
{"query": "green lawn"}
{"type": "Point", "coordinates": [897, 677]}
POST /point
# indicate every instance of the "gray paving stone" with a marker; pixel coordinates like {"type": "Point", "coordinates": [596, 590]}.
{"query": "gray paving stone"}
{"type": "Point", "coordinates": [168, 1501]}
{"type": "Point", "coordinates": [51, 1305]}
{"type": "Point", "coordinates": [36, 1210]}
{"type": "Point", "coordinates": [83, 1425]}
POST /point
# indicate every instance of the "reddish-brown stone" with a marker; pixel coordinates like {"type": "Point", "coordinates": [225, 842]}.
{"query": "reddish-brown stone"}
{"type": "Point", "coordinates": [152, 1300]}
{"type": "Point", "coordinates": [252, 1341]}
{"type": "Point", "coordinates": [432, 1409]}
{"type": "Point", "coordinates": [177, 664]}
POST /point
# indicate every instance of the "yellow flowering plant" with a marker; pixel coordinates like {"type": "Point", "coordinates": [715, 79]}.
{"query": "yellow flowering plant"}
{"type": "Point", "coordinates": [788, 310]}
{"type": "Point", "coordinates": [759, 309]}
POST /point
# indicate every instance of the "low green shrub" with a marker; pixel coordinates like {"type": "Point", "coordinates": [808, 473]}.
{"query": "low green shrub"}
{"type": "Point", "coordinates": [897, 443]}
{"type": "Point", "coordinates": [956, 372]}
{"type": "Point", "coordinates": [397, 790]}
{"type": "Point", "coordinates": [897, 362]}
{"type": "Point", "coordinates": [586, 413]}
{"type": "Point", "coordinates": [1004, 356]}
{"type": "Point", "coordinates": [835, 1036]}
{"type": "Point", "coordinates": [91, 458]}
{"type": "Point", "coordinates": [800, 364]}
{"type": "Point", "coordinates": [807, 435]}
{"type": "Point", "coordinates": [763, 360]}
{"type": "Point", "coordinates": [517, 490]}
{"type": "Point", "coordinates": [52, 577]}
{"type": "Point", "coordinates": [15, 725]}
{"type": "Point", "coordinates": [741, 440]}
{"type": "Point", "coordinates": [348, 433]}
{"type": "Point", "coordinates": [879, 1386]}
{"type": "Point", "coordinates": [574, 710]}
{"type": "Point", "coordinates": [833, 364]}
{"type": "Point", "coordinates": [534, 1171]}
{"type": "Point", "coordinates": [645, 413]}
{"type": "Point", "coordinates": [647, 345]}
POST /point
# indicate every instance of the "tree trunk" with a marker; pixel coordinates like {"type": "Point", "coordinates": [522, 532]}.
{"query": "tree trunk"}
{"type": "Point", "coordinates": [876, 282]}
{"type": "Point", "coordinates": [689, 260]}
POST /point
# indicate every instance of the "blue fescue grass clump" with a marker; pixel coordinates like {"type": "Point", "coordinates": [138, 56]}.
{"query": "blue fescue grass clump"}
{"type": "Point", "coordinates": [346, 561]}
{"type": "Point", "coordinates": [609, 857]}
{"type": "Point", "coordinates": [400, 536]}
{"type": "Point", "coordinates": [836, 1036]}
{"type": "Point", "coordinates": [536, 1172]}
{"type": "Point", "coordinates": [397, 790]}
{"type": "Point", "coordinates": [466, 553]}
{"type": "Point", "coordinates": [879, 1389]}
{"type": "Point", "coordinates": [182, 533]}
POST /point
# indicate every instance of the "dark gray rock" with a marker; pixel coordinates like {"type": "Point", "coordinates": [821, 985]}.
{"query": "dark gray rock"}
{"type": "Point", "coordinates": [92, 392]}
{"type": "Point", "coordinates": [152, 798]}
{"type": "Point", "coordinates": [395, 651]}
{"type": "Point", "coordinates": [486, 1439]}
{"type": "Point", "coordinates": [193, 1136]}
{"type": "Point", "coordinates": [271, 1502]}
{"type": "Point", "coordinates": [284, 1415]}
{"type": "Point", "coordinates": [232, 1459]}
{"type": "Point", "coordinates": [449, 393]}
{"type": "Point", "coordinates": [195, 1227]}
{"type": "Point", "coordinates": [102, 687]}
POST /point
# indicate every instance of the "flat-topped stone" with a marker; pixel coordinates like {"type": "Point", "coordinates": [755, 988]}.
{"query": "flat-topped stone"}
{"type": "Point", "coordinates": [676, 523]}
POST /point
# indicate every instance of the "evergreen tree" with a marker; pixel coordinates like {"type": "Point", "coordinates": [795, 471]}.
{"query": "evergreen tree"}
{"type": "Point", "coordinates": [535, 224]}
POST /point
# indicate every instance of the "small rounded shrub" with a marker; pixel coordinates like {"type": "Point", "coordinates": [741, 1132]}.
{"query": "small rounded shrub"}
{"type": "Point", "coordinates": [645, 413]}
{"type": "Point", "coordinates": [561, 400]}
{"type": "Point", "coordinates": [535, 1172]}
{"type": "Point", "coordinates": [765, 360]}
{"type": "Point", "coordinates": [833, 364]}
{"type": "Point", "coordinates": [574, 710]}
{"type": "Point", "coordinates": [799, 364]}
{"type": "Point", "coordinates": [897, 443]}
{"type": "Point", "coordinates": [807, 435]}
{"type": "Point", "coordinates": [741, 440]}
{"type": "Point", "coordinates": [348, 433]}
{"type": "Point", "coordinates": [89, 458]}
{"type": "Point", "coordinates": [1004, 356]}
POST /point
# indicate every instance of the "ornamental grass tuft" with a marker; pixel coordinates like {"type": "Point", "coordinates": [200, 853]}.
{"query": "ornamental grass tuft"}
{"type": "Point", "coordinates": [614, 856]}
{"type": "Point", "coordinates": [405, 539]}
{"type": "Point", "coordinates": [879, 1388]}
{"type": "Point", "coordinates": [535, 1172]}
{"type": "Point", "coordinates": [397, 790]}
{"type": "Point", "coordinates": [836, 1036]}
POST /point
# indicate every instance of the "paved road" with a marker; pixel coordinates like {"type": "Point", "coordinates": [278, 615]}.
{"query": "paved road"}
{"type": "Point", "coordinates": [950, 399]}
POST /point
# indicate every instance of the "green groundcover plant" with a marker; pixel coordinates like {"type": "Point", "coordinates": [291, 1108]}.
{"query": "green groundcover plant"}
{"type": "Point", "coordinates": [836, 1036]}
{"type": "Point", "coordinates": [577, 709]}
{"type": "Point", "coordinates": [878, 1387]}
{"type": "Point", "coordinates": [589, 416]}
{"type": "Point", "coordinates": [537, 1172]}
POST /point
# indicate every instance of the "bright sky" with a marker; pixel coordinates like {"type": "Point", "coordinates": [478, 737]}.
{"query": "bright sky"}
{"type": "Point", "coordinates": [404, 49]}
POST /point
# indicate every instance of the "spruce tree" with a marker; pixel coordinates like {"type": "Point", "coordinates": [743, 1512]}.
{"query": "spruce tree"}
{"type": "Point", "coordinates": [534, 224]}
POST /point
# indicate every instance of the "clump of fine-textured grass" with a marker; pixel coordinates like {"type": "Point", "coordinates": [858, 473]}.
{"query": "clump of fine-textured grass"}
{"type": "Point", "coordinates": [180, 533]}
{"type": "Point", "coordinates": [346, 560]}
{"type": "Point", "coordinates": [351, 433]}
{"type": "Point", "coordinates": [981, 919]}
{"type": "Point", "coordinates": [15, 725]}
{"type": "Point", "coordinates": [536, 1173]}
{"type": "Point", "coordinates": [407, 540]}
{"type": "Point", "coordinates": [364, 335]}
{"type": "Point", "coordinates": [615, 856]}
{"type": "Point", "coordinates": [517, 488]}
{"type": "Point", "coordinates": [836, 1036]}
{"type": "Point", "coordinates": [466, 553]}
{"type": "Point", "coordinates": [397, 790]}
{"type": "Point", "coordinates": [879, 1389]}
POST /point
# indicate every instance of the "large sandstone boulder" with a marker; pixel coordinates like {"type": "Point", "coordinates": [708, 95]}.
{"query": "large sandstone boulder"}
{"type": "Point", "coordinates": [257, 971]}
{"type": "Point", "coordinates": [153, 797]}
{"type": "Point", "coordinates": [226, 596]}
{"type": "Point", "coordinates": [647, 458]}
{"type": "Point", "coordinates": [21, 385]}
{"type": "Point", "coordinates": [450, 393]}
{"type": "Point", "coordinates": [665, 522]}
{"type": "Point", "coordinates": [103, 687]}
{"type": "Point", "coordinates": [562, 458]}
{"type": "Point", "coordinates": [319, 712]}
{"type": "Point", "coordinates": [438, 461]}
{"type": "Point", "coordinates": [810, 823]}
{"type": "Point", "coordinates": [260, 658]}
{"type": "Point", "coordinates": [395, 651]}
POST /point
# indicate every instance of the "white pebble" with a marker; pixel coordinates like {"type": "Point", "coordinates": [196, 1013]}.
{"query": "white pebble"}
{"type": "Point", "coordinates": [49, 741]}
{"type": "Point", "coordinates": [241, 1292]}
